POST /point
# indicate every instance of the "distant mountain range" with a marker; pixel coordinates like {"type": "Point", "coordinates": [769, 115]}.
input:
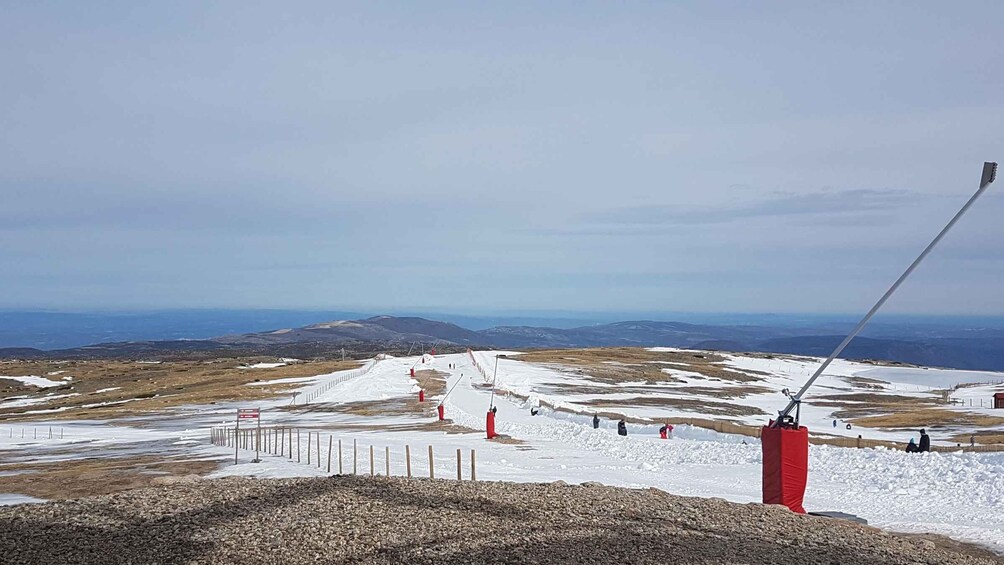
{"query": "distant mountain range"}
{"type": "Point", "coordinates": [983, 350]}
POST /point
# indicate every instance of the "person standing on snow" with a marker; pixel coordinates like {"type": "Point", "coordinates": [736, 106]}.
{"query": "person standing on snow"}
{"type": "Point", "coordinates": [925, 442]}
{"type": "Point", "coordinates": [596, 422]}
{"type": "Point", "coordinates": [621, 428]}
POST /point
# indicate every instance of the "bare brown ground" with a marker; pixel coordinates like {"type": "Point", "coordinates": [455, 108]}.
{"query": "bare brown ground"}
{"type": "Point", "coordinates": [694, 405]}
{"type": "Point", "coordinates": [929, 418]}
{"type": "Point", "coordinates": [982, 438]}
{"type": "Point", "coordinates": [92, 476]}
{"type": "Point", "coordinates": [150, 387]}
{"type": "Point", "coordinates": [625, 364]}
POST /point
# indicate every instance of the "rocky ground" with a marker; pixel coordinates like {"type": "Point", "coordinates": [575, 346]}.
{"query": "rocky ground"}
{"type": "Point", "coordinates": [366, 520]}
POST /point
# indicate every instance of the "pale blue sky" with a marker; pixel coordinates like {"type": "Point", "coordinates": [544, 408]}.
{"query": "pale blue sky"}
{"type": "Point", "coordinates": [579, 156]}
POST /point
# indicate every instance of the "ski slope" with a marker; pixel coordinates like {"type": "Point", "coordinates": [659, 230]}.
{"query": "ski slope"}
{"type": "Point", "coordinates": [956, 494]}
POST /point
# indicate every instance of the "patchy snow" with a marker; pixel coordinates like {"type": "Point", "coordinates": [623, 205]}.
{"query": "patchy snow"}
{"type": "Point", "coordinates": [19, 401]}
{"type": "Point", "coordinates": [32, 380]}
{"type": "Point", "coordinates": [262, 366]}
{"type": "Point", "coordinates": [956, 494]}
{"type": "Point", "coordinates": [12, 499]}
{"type": "Point", "coordinates": [285, 381]}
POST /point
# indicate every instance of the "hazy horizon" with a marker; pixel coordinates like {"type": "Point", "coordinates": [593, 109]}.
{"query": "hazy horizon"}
{"type": "Point", "coordinates": [491, 158]}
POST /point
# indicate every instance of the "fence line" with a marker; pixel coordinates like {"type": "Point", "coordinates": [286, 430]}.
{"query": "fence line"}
{"type": "Point", "coordinates": [477, 366]}
{"type": "Point", "coordinates": [271, 441]}
{"type": "Point", "coordinates": [47, 433]}
{"type": "Point", "coordinates": [311, 394]}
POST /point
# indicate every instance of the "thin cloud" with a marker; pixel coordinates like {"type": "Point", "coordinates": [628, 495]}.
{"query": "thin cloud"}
{"type": "Point", "coordinates": [847, 207]}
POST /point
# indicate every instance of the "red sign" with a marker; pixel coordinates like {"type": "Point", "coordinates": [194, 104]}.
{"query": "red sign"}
{"type": "Point", "coordinates": [247, 413]}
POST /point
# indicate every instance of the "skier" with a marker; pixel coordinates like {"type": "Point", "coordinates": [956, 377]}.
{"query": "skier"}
{"type": "Point", "coordinates": [621, 428]}
{"type": "Point", "coordinates": [911, 447]}
{"type": "Point", "coordinates": [925, 442]}
{"type": "Point", "coordinates": [596, 422]}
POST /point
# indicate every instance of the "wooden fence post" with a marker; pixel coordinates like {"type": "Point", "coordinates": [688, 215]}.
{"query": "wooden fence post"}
{"type": "Point", "coordinates": [474, 471]}
{"type": "Point", "coordinates": [432, 465]}
{"type": "Point", "coordinates": [386, 457]}
{"type": "Point", "coordinates": [329, 454]}
{"type": "Point", "coordinates": [407, 459]}
{"type": "Point", "coordinates": [460, 475]}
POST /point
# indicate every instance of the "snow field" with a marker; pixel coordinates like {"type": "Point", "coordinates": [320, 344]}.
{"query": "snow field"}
{"type": "Point", "coordinates": [956, 494]}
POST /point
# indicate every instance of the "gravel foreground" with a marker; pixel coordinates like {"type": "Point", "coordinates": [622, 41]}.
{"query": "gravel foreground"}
{"type": "Point", "coordinates": [347, 519]}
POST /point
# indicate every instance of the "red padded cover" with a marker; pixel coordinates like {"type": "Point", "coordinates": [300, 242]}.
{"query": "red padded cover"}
{"type": "Point", "coordinates": [785, 466]}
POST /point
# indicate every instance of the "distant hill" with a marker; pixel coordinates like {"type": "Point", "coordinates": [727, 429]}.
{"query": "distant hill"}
{"type": "Point", "coordinates": [402, 334]}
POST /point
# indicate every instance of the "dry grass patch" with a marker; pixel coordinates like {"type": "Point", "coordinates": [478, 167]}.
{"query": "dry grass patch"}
{"type": "Point", "coordinates": [149, 387]}
{"type": "Point", "coordinates": [688, 404]}
{"type": "Point", "coordinates": [982, 438]}
{"type": "Point", "coordinates": [929, 418]}
{"type": "Point", "coordinates": [93, 476]}
{"type": "Point", "coordinates": [615, 365]}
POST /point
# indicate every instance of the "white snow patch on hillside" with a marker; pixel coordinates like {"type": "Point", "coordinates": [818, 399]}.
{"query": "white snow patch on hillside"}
{"type": "Point", "coordinates": [32, 380]}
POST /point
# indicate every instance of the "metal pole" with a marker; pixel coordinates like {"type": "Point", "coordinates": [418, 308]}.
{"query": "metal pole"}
{"type": "Point", "coordinates": [451, 390]}
{"type": "Point", "coordinates": [495, 377]}
{"type": "Point", "coordinates": [989, 174]}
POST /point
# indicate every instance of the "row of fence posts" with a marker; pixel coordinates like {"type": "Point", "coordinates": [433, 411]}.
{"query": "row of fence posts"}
{"type": "Point", "coordinates": [856, 442]}
{"type": "Point", "coordinates": [58, 434]}
{"type": "Point", "coordinates": [281, 442]}
{"type": "Point", "coordinates": [312, 394]}
{"type": "Point", "coordinates": [971, 404]}
{"type": "Point", "coordinates": [477, 366]}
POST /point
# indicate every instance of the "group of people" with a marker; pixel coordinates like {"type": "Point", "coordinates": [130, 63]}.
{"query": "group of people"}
{"type": "Point", "coordinates": [925, 444]}
{"type": "Point", "coordinates": [664, 432]}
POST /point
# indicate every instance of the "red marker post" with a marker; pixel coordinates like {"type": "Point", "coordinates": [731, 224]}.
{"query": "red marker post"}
{"type": "Point", "coordinates": [247, 414]}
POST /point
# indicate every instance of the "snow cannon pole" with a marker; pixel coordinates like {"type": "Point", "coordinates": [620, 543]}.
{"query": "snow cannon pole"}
{"type": "Point", "coordinates": [784, 442]}
{"type": "Point", "coordinates": [495, 376]}
{"type": "Point", "coordinates": [989, 175]}
{"type": "Point", "coordinates": [440, 407]}
{"type": "Point", "coordinates": [490, 417]}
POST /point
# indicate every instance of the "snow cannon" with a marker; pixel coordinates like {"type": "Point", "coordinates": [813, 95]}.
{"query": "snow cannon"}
{"type": "Point", "coordinates": [442, 412]}
{"type": "Point", "coordinates": [490, 425]}
{"type": "Point", "coordinates": [785, 465]}
{"type": "Point", "coordinates": [421, 395]}
{"type": "Point", "coordinates": [785, 443]}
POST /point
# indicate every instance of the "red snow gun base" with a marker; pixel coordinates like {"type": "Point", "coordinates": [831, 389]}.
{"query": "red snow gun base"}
{"type": "Point", "coordinates": [785, 465]}
{"type": "Point", "coordinates": [490, 424]}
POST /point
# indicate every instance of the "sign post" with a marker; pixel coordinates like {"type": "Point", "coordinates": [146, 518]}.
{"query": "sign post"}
{"type": "Point", "coordinates": [247, 414]}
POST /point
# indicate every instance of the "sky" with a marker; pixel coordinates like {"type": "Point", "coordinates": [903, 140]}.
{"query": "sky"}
{"type": "Point", "coordinates": [497, 157]}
